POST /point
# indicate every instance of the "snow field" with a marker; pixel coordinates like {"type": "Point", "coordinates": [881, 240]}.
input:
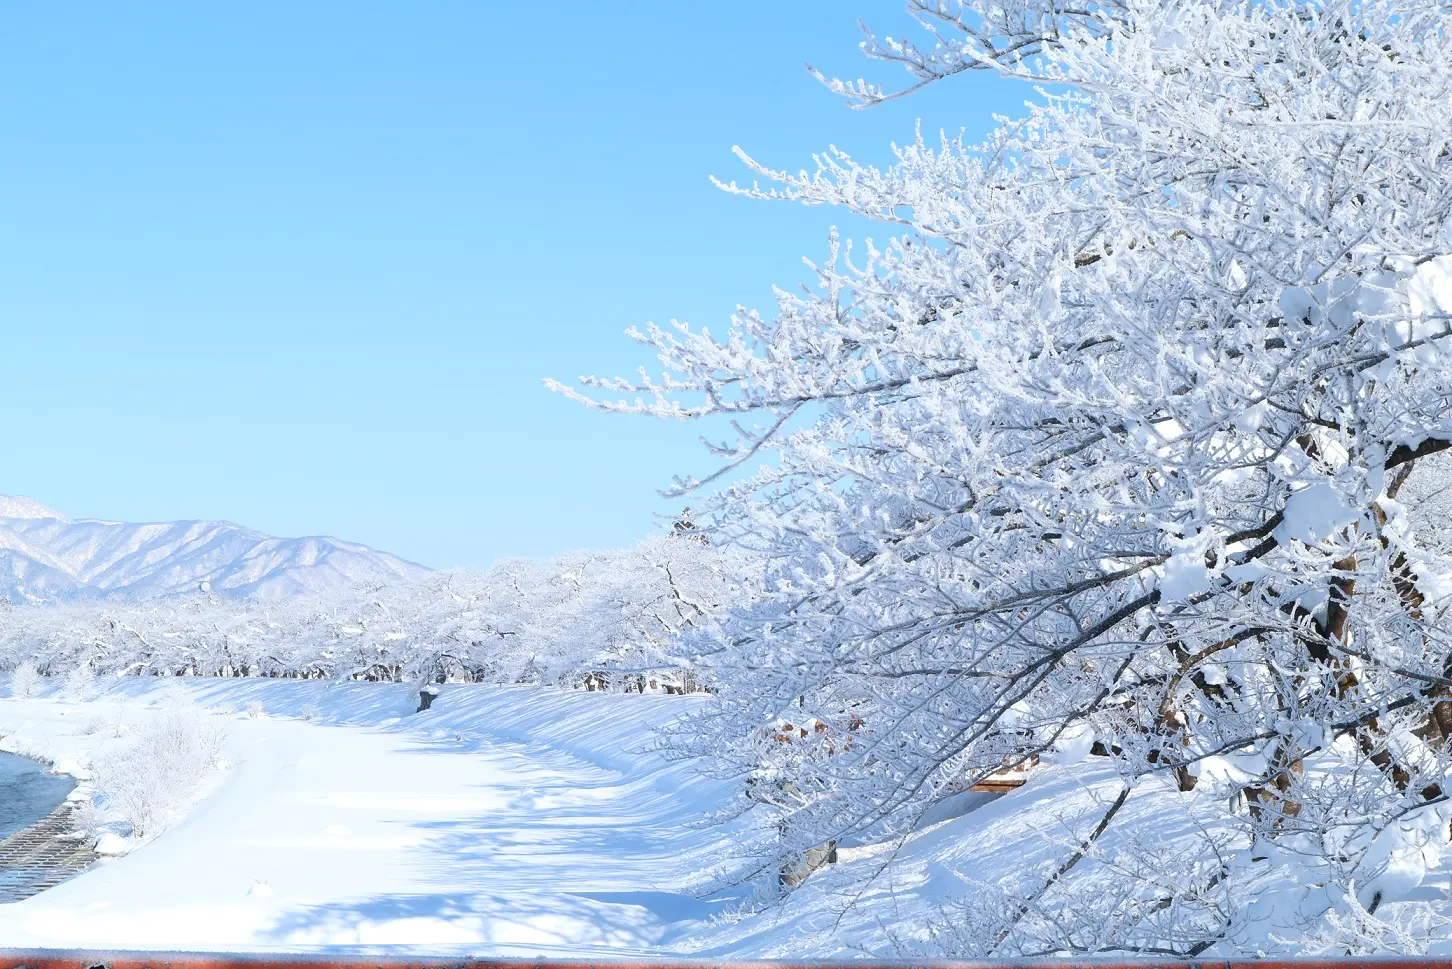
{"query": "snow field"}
{"type": "Point", "coordinates": [501, 821]}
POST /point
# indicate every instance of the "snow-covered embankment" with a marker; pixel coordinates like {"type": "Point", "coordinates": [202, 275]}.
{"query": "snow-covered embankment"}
{"type": "Point", "coordinates": [500, 821]}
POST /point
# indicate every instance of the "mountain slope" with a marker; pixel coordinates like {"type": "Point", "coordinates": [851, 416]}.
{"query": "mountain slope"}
{"type": "Point", "coordinates": [45, 556]}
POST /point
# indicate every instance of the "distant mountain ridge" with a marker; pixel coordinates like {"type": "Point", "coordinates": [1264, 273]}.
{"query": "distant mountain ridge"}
{"type": "Point", "coordinates": [47, 557]}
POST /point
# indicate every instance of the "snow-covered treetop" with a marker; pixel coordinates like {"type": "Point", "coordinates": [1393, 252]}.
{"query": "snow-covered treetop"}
{"type": "Point", "coordinates": [1007, 37]}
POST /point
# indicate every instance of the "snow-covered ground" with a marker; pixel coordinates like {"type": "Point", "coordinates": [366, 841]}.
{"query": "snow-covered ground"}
{"type": "Point", "coordinates": [504, 821]}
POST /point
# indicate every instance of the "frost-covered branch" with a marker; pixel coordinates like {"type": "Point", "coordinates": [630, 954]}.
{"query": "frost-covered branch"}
{"type": "Point", "coordinates": [1127, 442]}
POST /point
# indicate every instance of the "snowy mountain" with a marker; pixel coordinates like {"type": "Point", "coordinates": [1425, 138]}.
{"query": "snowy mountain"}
{"type": "Point", "coordinates": [45, 556]}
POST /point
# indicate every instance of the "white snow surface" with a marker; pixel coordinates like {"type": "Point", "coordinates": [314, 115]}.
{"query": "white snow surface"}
{"type": "Point", "coordinates": [503, 820]}
{"type": "Point", "coordinates": [521, 821]}
{"type": "Point", "coordinates": [45, 556]}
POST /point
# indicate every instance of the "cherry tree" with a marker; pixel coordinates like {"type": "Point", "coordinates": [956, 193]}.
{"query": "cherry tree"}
{"type": "Point", "coordinates": [1124, 443]}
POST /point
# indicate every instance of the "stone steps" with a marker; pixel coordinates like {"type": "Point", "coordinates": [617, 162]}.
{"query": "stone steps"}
{"type": "Point", "coordinates": [43, 855]}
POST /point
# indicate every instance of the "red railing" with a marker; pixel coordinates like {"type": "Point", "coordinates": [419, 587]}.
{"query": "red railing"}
{"type": "Point", "coordinates": [79, 959]}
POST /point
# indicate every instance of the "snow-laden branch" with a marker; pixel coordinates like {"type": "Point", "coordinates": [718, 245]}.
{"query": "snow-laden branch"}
{"type": "Point", "coordinates": [1114, 447]}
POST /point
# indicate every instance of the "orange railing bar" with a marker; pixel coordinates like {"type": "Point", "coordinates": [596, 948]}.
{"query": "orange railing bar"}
{"type": "Point", "coordinates": [83, 959]}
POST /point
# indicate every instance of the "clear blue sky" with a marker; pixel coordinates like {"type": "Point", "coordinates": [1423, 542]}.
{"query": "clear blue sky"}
{"type": "Point", "coordinates": [303, 266]}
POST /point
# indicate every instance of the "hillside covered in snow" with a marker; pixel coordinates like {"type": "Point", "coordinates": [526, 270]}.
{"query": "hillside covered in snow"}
{"type": "Point", "coordinates": [47, 557]}
{"type": "Point", "coordinates": [536, 823]}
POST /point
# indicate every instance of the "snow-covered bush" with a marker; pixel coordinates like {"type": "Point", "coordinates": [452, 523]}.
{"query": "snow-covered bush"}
{"type": "Point", "coordinates": [80, 683]}
{"type": "Point", "coordinates": [148, 781]}
{"type": "Point", "coordinates": [1112, 450]}
{"type": "Point", "coordinates": [100, 725]}
{"type": "Point", "coordinates": [24, 680]}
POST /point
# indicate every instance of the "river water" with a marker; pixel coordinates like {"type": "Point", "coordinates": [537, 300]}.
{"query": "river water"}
{"type": "Point", "coordinates": [28, 793]}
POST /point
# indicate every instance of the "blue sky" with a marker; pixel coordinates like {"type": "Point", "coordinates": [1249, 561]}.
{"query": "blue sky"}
{"type": "Point", "coordinates": [303, 266]}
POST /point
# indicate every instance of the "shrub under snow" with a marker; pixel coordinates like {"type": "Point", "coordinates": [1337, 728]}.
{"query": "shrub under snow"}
{"type": "Point", "coordinates": [80, 683]}
{"type": "Point", "coordinates": [147, 782]}
{"type": "Point", "coordinates": [24, 680]}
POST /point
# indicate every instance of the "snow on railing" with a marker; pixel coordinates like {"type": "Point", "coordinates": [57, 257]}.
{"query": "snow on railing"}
{"type": "Point", "coordinates": [81, 959]}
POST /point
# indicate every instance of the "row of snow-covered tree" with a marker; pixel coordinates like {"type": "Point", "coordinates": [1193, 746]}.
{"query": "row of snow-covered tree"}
{"type": "Point", "coordinates": [594, 619]}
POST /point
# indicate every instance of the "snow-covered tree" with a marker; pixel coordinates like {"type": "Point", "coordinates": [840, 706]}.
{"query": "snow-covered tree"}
{"type": "Point", "coordinates": [1126, 442]}
{"type": "Point", "coordinates": [612, 616]}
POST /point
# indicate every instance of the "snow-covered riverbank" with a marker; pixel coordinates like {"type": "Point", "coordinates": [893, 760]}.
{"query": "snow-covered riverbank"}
{"type": "Point", "coordinates": [501, 820]}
